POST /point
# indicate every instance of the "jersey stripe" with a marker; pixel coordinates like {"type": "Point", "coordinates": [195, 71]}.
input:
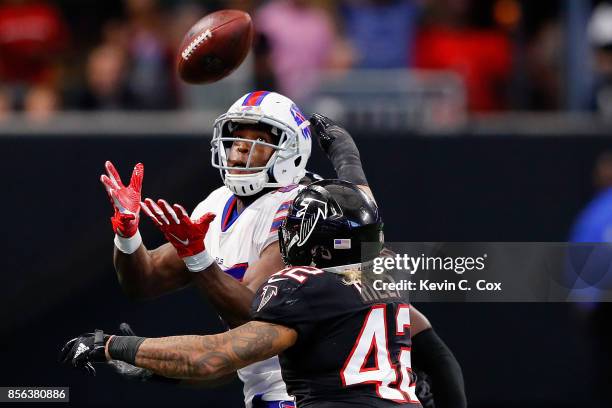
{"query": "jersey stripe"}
{"type": "Point", "coordinates": [237, 271]}
{"type": "Point", "coordinates": [230, 213]}
{"type": "Point", "coordinates": [284, 206]}
{"type": "Point", "coordinates": [277, 223]}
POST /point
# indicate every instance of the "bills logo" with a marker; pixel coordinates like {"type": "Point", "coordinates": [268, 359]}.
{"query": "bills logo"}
{"type": "Point", "coordinates": [269, 291]}
{"type": "Point", "coordinates": [301, 121]}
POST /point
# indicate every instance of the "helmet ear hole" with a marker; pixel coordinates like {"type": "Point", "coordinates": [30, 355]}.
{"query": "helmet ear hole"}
{"type": "Point", "coordinates": [297, 161]}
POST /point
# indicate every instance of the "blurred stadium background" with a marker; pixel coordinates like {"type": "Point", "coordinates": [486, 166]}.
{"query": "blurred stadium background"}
{"type": "Point", "coordinates": [481, 120]}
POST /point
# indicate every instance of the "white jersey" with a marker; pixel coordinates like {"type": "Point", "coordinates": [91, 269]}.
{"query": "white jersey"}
{"type": "Point", "coordinates": [236, 241]}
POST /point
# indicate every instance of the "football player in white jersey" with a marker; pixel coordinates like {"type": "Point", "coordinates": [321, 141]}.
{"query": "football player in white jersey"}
{"type": "Point", "coordinates": [252, 149]}
{"type": "Point", "coordinates": [261, 147]}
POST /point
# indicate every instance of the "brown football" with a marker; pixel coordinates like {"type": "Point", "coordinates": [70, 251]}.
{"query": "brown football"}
{"type": "Point", "coordinates": [215, 46]}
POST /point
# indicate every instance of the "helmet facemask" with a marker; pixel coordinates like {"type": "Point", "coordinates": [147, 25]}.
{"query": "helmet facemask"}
{"type": "Point", "coordinates": [246, 184]}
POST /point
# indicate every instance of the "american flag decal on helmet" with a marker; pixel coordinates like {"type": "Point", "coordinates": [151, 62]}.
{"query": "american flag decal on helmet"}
{"type": "Point", "coordinates": [342, 243]}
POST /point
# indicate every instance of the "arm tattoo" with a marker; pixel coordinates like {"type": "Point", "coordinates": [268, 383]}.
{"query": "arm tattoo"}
{"type": "Point", "coordinates": [252, 342]}
{"type": "Point", "coordinates": [208, 357]}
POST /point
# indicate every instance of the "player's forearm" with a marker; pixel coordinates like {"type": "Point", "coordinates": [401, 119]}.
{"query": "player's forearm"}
{"type": "Point", "coordinates": [431, 355]}
{"type": "Point", "coordinates": [186, 357]}
{"type": "Point", "coordinates": [204, 357]}
{"type": "Point", "coordinates": [134, 271]}
{"type": "Point", "coordinates": [146, 274]}
{"type": "Point", "coordinates": [231, 299]}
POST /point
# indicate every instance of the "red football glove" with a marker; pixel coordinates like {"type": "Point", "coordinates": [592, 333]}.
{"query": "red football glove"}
{"type": "Point", "coordinates": [185, 235]}
{"type": "Point", "coordinates": [125, 200]}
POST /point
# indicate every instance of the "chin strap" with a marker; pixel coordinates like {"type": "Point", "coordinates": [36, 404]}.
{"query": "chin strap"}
{"type": "Point", "coordinates": [245, 185]}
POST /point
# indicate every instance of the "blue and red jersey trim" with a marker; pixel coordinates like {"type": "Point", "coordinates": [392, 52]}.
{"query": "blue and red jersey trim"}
{"type": "Point", "coordinates": [230, 213]}
{"type": "Point", "coordinates": [237, 271]}
{"type": "Point", "coordinates": [286, 189]}
{"type": "Point", "coordinates": [280, 215]}
{"type": "Point", "coordinates": [276, 224]}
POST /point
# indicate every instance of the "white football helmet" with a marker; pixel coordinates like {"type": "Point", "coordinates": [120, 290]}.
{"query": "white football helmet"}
{"type": "Point", "coordinates": [291, 152]}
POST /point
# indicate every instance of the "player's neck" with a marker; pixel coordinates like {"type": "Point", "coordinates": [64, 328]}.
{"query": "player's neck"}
{"type": "Point", "coordinates": [243, 202]}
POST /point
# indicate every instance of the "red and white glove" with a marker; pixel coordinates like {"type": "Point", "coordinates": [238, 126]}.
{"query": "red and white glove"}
{"type": "Point", "coordinates": [126, 203]}
{"type": "Point", "coordinates": [186, 235]}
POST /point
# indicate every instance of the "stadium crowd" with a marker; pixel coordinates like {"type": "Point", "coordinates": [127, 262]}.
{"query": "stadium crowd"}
{"type": "Point", "coordinates": [120, 54]}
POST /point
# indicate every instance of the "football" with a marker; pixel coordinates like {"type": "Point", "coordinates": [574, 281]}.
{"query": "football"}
{"type": "Point", "coordinates": [215, 46]}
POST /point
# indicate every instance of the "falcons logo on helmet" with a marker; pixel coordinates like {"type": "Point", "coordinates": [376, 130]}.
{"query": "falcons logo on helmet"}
{"type": "Point", "coordinates": [308, 225]}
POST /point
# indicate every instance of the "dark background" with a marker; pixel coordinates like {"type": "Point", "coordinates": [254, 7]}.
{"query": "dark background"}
{"type": "Point", "coordinates": [57, 278]}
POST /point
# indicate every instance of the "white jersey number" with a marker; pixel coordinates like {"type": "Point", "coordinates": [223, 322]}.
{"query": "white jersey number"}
{"type": "Point", "coordinates": [373, 340]}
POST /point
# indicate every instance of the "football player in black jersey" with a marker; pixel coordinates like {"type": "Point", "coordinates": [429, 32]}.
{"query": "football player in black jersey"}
{"type": "Point", "coordinates": [336, 347]}
{"type": "Point", "coordinates": [431, 354]}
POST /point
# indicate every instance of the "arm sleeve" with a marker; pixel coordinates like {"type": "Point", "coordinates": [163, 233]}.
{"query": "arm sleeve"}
{"type": "Point", "coordinates": [431, 355]}
{"type": "Point", "coordinates": [340, 148]}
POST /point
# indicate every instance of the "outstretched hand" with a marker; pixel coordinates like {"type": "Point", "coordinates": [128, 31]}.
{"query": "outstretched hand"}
{"type": "Point", "coordinates": [125, 199]}
{"type": "Point", "coordinates": [186, 235]}
{"type": "Point", "coordinates": [84, 350]}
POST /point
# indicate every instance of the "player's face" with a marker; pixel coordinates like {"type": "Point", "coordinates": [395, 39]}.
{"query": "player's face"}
{"type": "Point", "coordinates": [239, 152]}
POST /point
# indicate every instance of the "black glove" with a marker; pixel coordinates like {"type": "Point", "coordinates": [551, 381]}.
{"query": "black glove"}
{"type": "Point", "coordinates": [84, 350]}
{"type": "Point", "coordinates": [127, 370]}
{"type": "Point", "coordinates": [322, 126]}
{"type": "Point", "coordinates": [423, 389]}
{"type": "Point", "coordinates": [340, 148]}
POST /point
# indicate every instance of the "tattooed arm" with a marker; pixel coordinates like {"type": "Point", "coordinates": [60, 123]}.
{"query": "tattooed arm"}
{"type": "Point", "coordinates": [210, 357]}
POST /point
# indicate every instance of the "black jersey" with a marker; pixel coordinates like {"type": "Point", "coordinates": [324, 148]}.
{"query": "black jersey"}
{"type": "Point", "coordinates": [349, 351]}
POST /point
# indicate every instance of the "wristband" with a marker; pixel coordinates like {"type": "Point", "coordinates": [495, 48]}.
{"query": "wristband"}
{"type": "Point", "coordinates": [128, 245]}
{"type": "Point", "coordinates": [124, 348]}
{"type": "Point", "coordinates": [198, 262]}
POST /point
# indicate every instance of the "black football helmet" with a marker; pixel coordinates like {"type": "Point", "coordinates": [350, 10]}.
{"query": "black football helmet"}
{"type": "Point", "coordinates": [327, 224]}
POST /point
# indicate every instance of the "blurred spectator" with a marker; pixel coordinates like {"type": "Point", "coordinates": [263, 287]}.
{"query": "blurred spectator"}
{"type": "Point", "coordinates": [264, 77]}
{"type": "Point", "coordinates": [33, 36]}
{"type": "Point", "coordinates": [600, 37]}
{"type": "Point", "coordinates": [41, 103]}
{"type": "Point", "coordinates": [180, 20]}
{"type": "Point", "coordinates": [481, 56]}
{"type": "Point", "coordinates": [594, 225]}
{"type": "Point", "coordinates": [545, 67]}
{"type": "Point", "coordinates": [151, 73]}
{"type": "Point", "coordinates": [5, 104]}
{"type": "Point", "coordinates": [106, 81]}
{"type": "Point", "coordinates": [300, 37]}
{"type": "Point", "coordinates": [381, 31]}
